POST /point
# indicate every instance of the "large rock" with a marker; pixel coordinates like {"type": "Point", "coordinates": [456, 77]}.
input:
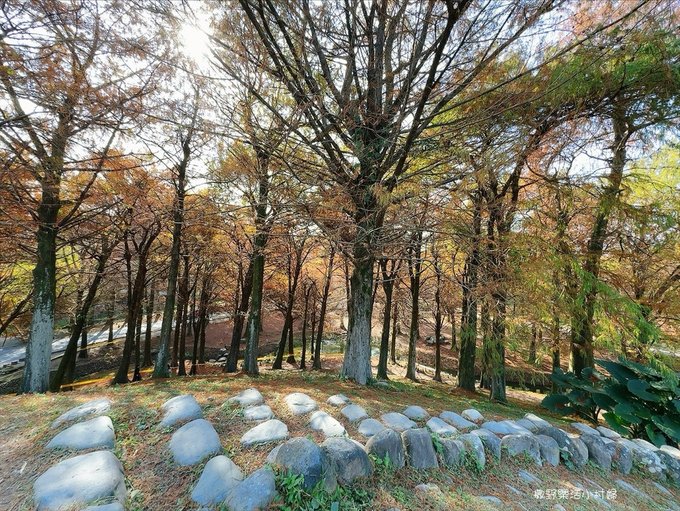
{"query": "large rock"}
{"type": "Point", "coordinates": [644, 458]}
{"type": "Point", "coordinates": [248, 397]}
{"type": "Point", "coordinates": [516, 445]}
{"type": "Point", "coordinates": [550, 451]}
{"type": "Point", "coordinates": [528, 425]}
{"type": "Point", "coordinates": [353, 413]}
{"type": "Point", "coordinates": [219, 477]}
{"type": "Point", "coordinates": [474, 448]}
{"type": "Point", "coordinates": [327, 424]}
{"type": "Point", "coordinates": [441, 428]}
{"type": "Point", "coordinates": [180, 409]}
{"type": "Point", "coordinates": [271, 431]}
{"type": "Point", "coordinates": [670, 456]}
{"type": "Point", "coordinates": [258, 413]}
{"type": "Point", "coordinates": [114, 506]}
{"type": "Point", "coordinates": [193, 442]}
{"type": "Point", "coordinates": [598, 451]}
{"type": "Point", "coordinates": [584, 429]}
{"type": "Point", "coordinates": [606, 432]}
{"type": "Point", "coordinates": [491, 442]}
{"type": "Point", "coordinates": [88, 478]}
{"type": "Point", "coordinates": [348, 459]}
{"type": "Point", "coordinates": [256, 492]}
{"type": "Point", "coordinates": [370, 427]}
{"type": "Point", "coordinates": [541, 423]}
{"type": "Point", "coordinates": [338, 400]}
{"type": "Point", "coordinates": [575, 450]}
{"type": "Point", "coordinates": [387, 443]}
{"type": "Point", "coordinates": [301, 456]}
{"type": "Point", "coordinates": [91, 434]}
{"type": "Point", "coordinates": [472, 415]}
{"type": "Point", "coordinates": [420, 451]}
{"type": "Point", "coordinates": [452, 452]}
{"type": "Point", "coordinates": [397, 421]}
{"type": "Point", "coordinates": [505, 428]}
{"type": "Point", "coordinates": [457, 421]}
{"type": "Point", "coordinates": [622, 456]}
{"type": "Point", "coordinates": [299, 403]}
{"type": "Point", "coordinates": [529, 478]}
{"type": "Point", "coordinates": [94, 407]}
{"type": "Point", "coordinates": [416, 413]}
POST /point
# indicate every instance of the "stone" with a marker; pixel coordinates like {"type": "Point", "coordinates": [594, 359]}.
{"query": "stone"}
{"type": "Point", "coordinates": [180, 409]}
{"type": "Point", "coordinates": [457, 421]}
{"type": "Point", "coordinates": [272, 430]}
{"type": "Point", "coordinates": [630, 488]}
{"type": "Point", "coordinates": [248, 397]}
{"type": "Point", "coordinates": [670, 456]}
{"type": "Point", "coordinates": [419, 449]}
{"type": "Point", "coordinates": [353, 413]}
{"type": "Point", "coordinates": [416, 413]}
{"type": "Point", "coordinates": [220, 475]}
{"type": "Point", "coordinates": [622, 456]}
{"type": "Point", "coordinates": [475, 448]}
{"type": "Point", "coordinates": [647, 460]}
{"type": "Point", "coordinates": [505, 428]}
{"type": "Point", "coordinates": [338, 400]}
{"type": "Point", "coordinates": [387, 443]}
{"type": "Point", "coordinates": [94, 407]}
{"type": "Point", "coordinates": [452, 451]}
{"type": "Point", "coordinates": [193, 442]}
{"type": "Point", "coordinates": [576, 451]}
{"type": "Point", "coordinates": [301, 456]}
{"type": "Point", "coordinates": [327, 424]}
{"type": "Point", "coordinates": [662, 489]}
{"type": "Point", "coordinates": [550, 451]}
{"type": "Point", "coordinates": [516, 445]}
{"type": "Point", "coordinates": [258, 413]}
{"type": "Point", "coordinates": [81, 480]}
{"type": "Point", "coordinates": [584, 429]}
{"type": "Point", "coordinates": [514, 490]}
{"type": "Point", "coordinates": [370, 427]}
{"type": "Point", "coordinates": [528, 478]}
{"type": "Point", "coordinates": [541, 423]}
{"type": "Point", "coordinates": [606, 432]}
{"type": "Point", "coordinates": [559, 507]}
{"type": "Point", "coordinates": [256, 492]}
{"type": "Point", "coordinates": [115, 506]}
{"type": "Point", "coordinates": [397, 421]}
{"type": "Point", "coordinates": [91, 434]}
{"type": "Point", "coordinates": [299, 403]}
{"type": "Point", "coordinates": [490, 499]}
{"type": "Point", "coordinates": [429, 488]}
{"type": "Point", "coordinates": [598, 451]}
{"type": "Point", "coordinates": [644, 444]}
{"type": "Point", "coordinates": [272, 454]}
{"type": "Point", "coordinates": [491, 442]}
{"type": "Point", "coordinates": [441, 428]}
{"type": "Point", "coordinates": [528, 425]}
{"type": "Point", "coordinates": [472, 415]}
{"type": "Point", "coordinates": [348, 459]}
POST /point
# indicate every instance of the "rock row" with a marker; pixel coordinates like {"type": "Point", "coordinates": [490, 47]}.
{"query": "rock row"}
{"type": "Point", "coordinates": [95, 477]}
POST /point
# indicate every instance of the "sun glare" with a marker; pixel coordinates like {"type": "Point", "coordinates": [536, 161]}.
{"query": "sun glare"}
{"type": "Point", "coordinates": [194, 39]}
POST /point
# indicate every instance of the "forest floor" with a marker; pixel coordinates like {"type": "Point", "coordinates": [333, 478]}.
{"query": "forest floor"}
{"type": "Point", "coordinates": [155, 483]}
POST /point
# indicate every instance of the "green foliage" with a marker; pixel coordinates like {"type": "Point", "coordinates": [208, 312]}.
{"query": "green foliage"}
{"type": "Point", "coordinates": [296, 498]}
{"type": "Point", "coordinates": [639, 400]}
{"type": "Point", "coordinates": [471, 463]}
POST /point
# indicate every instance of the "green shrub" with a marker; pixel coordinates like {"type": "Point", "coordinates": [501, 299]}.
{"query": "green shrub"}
{"type": "Point", "coordinates": [638, 400]}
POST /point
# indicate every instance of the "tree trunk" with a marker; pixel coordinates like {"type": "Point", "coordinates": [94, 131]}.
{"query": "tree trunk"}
{"type": "Point", "coordinates": [161, 368]}
{"type": "Point", "coordinates": [303, 355]}
{"type": "Point", "coordinates": [70, 353]}
{"type": "Point", "coordinates": [82, 353]}
{"type": "Point", "coordinates": [137, 374]}
{"type": "Point", "coordinates": [36, 376]}
{"type": "Point", "coordinates": [239, 319]}
{"type": "Point", "coordinates": [254, 320]}
{"type": "Point", "coordinates": [582, 355]}
{"type": "Point", "coordinates": [415, 265]}
{"type": "Point", "coordinates": [437, 321]}
{"type": "Point", "coordinates": [532, 344]}
{"type": "Point", "coordinates": [184, 301]}
{"type": "Point", "coordinates": [316, 364]}
{"type": "Point", "coordinates": [388, 287]}
{"type": "Point", "coordinates": [111, 312]}
{"type": "Point", "coordinates": [395, 321]}
{"type": "Point", "coordinates": [149, 322]}
{"type": "Point", "coordinates": [468, 321]}
{"type": "Point", "coordinates": [454, 340]}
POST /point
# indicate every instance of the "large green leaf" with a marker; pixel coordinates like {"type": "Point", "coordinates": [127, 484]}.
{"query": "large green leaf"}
{"type": "Point", "coordinates": [654, 435]}
{"type": "Point", "coordinates": [668, 425]}
{"type": "Point", "coordinates": [618, 393]}
{"type": "Point", "coordinates": [641, 389]}
{"type": "Point", "coordinates": [602, 400]}
{"type": "Point", "coordinates": [618, 371]}
{"type": "Point", "coordinates": [640, 368]}
{"type": "Point", "coordinates": [558, 403]}
{"type": "Point", "coordinates": [615, 422]}
{"type": "Point", "coordinates": [626, 412]}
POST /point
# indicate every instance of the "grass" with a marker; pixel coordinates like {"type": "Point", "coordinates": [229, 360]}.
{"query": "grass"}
{"type": "Point", "coordinates": [155, 483]}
